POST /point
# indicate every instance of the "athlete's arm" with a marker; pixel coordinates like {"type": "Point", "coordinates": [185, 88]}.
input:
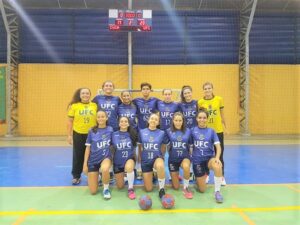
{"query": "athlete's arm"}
{"type": "Point", "coordinates": [223, 119]}
{"type": "Point", "coordinates": [70, 130]}
{"type": "Point", "coordinates": [86, 157]}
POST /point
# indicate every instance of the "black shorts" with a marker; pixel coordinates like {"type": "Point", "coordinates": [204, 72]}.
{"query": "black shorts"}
{"type": "Point", "coordinates": [174, 166]}
{"type": "Point", "coordinates": [95, 167]}
{"type": "Point", "coordinates": [200, 169]}
{"type": "Point", "coordinates": [148, 167]}
{"type": "Point", "coordinates": [121, 169]}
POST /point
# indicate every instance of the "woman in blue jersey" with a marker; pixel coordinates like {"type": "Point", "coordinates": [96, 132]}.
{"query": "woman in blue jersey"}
{"type": "Point", "coordinates": [204, 156]}
{"type": "Point", "coordinates": [98, 156]}
{"type": "Point", "coordinates": [128, 109]}
{"type": "Point", "coordinates": [124, 143]}
{"type": "Point", "coordinates": [179, 153]}
{"type": "Point", "coordinates": [188, 106]}
{"type": "Point", "coordinates": [153, 146]}
{"type": "Point", "coordinates": [109, 103]}
{"type": "Point", "coordinates": [166, 109]}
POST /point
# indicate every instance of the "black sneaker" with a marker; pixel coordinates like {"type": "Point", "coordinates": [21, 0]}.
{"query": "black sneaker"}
{"type": "Point", "coordinates": [161, 193]}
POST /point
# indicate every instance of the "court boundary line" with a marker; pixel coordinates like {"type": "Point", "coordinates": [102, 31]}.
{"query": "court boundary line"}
{"type": "Point", "coordinates": [245, 217]}
{"type": "Point", "coordinates": [138, 211]}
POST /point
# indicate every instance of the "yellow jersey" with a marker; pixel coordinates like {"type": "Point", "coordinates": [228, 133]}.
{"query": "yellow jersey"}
{"type": "Point", "coordinates": [213, 106]}
{"type": "Point", "coordinates": [84, 115]}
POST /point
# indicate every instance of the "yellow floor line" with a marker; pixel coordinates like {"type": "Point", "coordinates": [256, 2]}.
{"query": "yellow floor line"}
{"type": "Point", "coordinates": [22, 217]}
{"type": "Point", "coordinates": [244, 216]}
{"type": "Point", "coordinates": [292, 187]}
{"type": "Point", "coordinates": [152, 211]}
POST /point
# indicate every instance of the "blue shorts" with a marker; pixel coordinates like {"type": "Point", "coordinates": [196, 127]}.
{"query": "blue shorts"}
{"type": "Point", "coordinates": [174, 166]}
{"type": "Point", "coordinates": [200, 169]}
{"type": "Point", "coordinates": [148, 166]}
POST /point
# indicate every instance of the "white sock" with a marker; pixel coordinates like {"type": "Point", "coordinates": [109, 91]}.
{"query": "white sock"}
{"type": "Point", "coordinates": [111, 169]}
{"type": "Point", "coordinates": [218, 182]}
{"type": "Point", "coordinates": [105, 186]}
{"type": "Point", "coordinates": [161, 183]}
{"type": "Point", "coordinates": [185, 183]}
{"type": "Point", "coordinates": [130, 179]}
{"type": "Point", "coordinates": [191, 168]}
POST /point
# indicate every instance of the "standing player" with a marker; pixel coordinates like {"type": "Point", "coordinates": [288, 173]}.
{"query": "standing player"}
{"type": "Point", "coordinates": [98, 155]}
{"type": "Point", "coordinates": [145, 106]}
{"type": "Point", "coordinates": [153, 146]}
{"type": "Point", "coordinates": [109, 103]}
{"type": "Point", "coordinates": [189, 109]}
{"type": "Point", "coordinates": [166, 109]}
{"type": "Point", "coordinates": [124, 143]}
{"type": "Point", "coordinates": [179, 153]}
{"type": "Point", "coordinates": [128, 109]}
{"type": "Point", "coordinates": [216, 120]}
{"type": "Point", "coordinates": [204, 156]}
{"type": "Point", "coordinates": [82, 116]}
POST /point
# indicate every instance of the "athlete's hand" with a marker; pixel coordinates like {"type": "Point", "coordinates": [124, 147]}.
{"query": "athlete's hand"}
{"type": "Point", "coordinates": [218, 161]}
{"type": "Point", "coordinates": [70, 140]}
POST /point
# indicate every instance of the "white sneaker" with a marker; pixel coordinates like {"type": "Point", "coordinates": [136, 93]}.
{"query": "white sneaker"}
{"type": "Point", "coordinates": [223, 182]}
{"type": "Point", "coordinates": [106, 194]}
{"type": "Point", "coordinates": [207, 180]}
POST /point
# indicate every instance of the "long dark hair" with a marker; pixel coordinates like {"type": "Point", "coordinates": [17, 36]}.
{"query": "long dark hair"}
{"type": "Point", "coordinates": [132, 132]}
{"type": "Point", "coordinates": [183, 127]}
{"type": "Point", "coordinates": [182, 90]}
{"type": "Point", "coordinates": [202, 110]}
{"type": "Point", "coordinates": [76, 96]}
{"type": "Point", "coordinates": [95, 128]}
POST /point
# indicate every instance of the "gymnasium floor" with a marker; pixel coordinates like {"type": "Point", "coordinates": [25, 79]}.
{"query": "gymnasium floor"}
{"type": "Point", "coordinates": [263, 176]}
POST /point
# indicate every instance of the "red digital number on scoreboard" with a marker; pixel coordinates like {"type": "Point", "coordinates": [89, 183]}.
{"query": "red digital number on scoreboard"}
{"type": "Point", "coordinates": [130, 15]}
{"type": "Point", "coordinates": [119, 22]}
{"type": "Point", "coordinates": [141, 22]}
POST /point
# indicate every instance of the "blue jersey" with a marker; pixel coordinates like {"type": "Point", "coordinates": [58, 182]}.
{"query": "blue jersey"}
{"type": "Point", "coordinates": [124, 148]}
{"type": "Point", "coordinates": [130, 112]}
{"type": "Point", "coordinates": [179, 144]}
{"type": "Point", "coordinates": [166, 112]}
{"type": "Point", "coordinates": [203, 140]}
{"type": "Point", "coordinates": [100, 144]}
{"type": "Point", "coordinates": [151, 141]}
{"type": "Point", "coordinates": [189, 111]}
{"type": "Point", "coordinates": [110, 105]}
{"type": "Point", "coordinates": [144, 109]}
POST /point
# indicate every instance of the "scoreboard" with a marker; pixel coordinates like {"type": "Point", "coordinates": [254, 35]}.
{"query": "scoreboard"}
{"type": "Point", "coordinates": [129, 20]}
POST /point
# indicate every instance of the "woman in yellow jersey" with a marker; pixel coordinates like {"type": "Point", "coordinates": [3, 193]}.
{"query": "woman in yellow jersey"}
{"type": "Point", "coordinates": [215, 107]}
{"type": "Point", "coordinates": [82, 116]}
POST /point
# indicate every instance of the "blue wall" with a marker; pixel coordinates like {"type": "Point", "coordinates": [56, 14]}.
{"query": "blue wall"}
{"type": "Point", "coordinates": [2, 41]}
{"type": "Point", "coordinates": [193, 37]}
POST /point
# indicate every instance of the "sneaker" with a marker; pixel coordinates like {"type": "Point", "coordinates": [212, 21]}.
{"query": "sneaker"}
{"type": "Point", "coordinates": [131, 194]}
{"type": "Point", "coordinates": [207, 179]}
{"type": "Point", "coordinates": [161, 193]}
{"type": "Point", "coordinates": [223, 182]}
{"type": "Point", "coordinates": [218, 197]}
{"type": "Point", "coordinates": [106, 194]}
{"type": "Point", "coordinates": [76, 181]}
{"type": "Point", "coordinates": [139, 175]}
{"type": "Point", "coordinates": [187, 193]}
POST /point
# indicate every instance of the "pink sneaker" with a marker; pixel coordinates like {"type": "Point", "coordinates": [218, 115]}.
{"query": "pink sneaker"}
{"type": "Point", "coordinates": [131, 194]}
{"type": "Point", "coordinates": [187, 193]}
